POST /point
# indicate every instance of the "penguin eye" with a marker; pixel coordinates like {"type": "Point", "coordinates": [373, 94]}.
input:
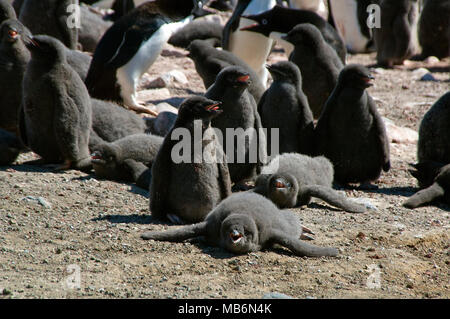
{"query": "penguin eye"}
{"type": "Point", "coordinates": [264, 21]}
{"type": "Point", "coordinates": [12, 33]}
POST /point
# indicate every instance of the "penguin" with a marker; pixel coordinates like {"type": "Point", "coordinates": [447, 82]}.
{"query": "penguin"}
{"type": "Point", "coordinates": [126, 51]}
{"type": "Point", "coordinates": [291, 179]}
{"type": "Point", "coordinates": [350, 19]}
{"type": "Point", "coordinates": [433, 23]}
{"type": "Point", "coordinates": [318, 62]}
{"type": "Point", "coordinates": [285, 106]}
{"type": "Point", "coordinates": [55, 116]}
{"type": "Point", "coordinates": [14, 57]}
{"type": "Point", "coordinates": [6, 11]}
{"type": "Point", "coordinates": [50, 17]}
{"type": "Point", "coordinates": [252, 48]}
{"type": "Point", "coordinates": [434, 135]}
{"type": "Point", "coordinates": [278, 21]}
{"type": "Point", "coordinates": [127, 159]}
{"type": "Point", "coordinates": [111, 122]}
{"type": "Point", "coordinates": [10, 147]}
{"type": "Point", "coordinates": [209, 61]}
{"type": "Point", "coordinates": [438, 190]}
{"type": "Point", "coordinates": [244, 223]}
{"type": "Point", "coordinates": [185, 190]}
{"type": "Point", "coordinates": [162, 124]}
{"type": "Point", "coordinates": [317, 6]}
{"type": "Point", "coordinates": [248, 152]}
{"type": "Point", "coordinates": [197, 29]}
{"type": "Point", "coordinates": [121, 8]}
{"type": "Point", "coordinates": [350, 131]}
{"type": "Point", "coordinates": [396, 40]}
{"type": "Point", "coordinates": [92, 28]}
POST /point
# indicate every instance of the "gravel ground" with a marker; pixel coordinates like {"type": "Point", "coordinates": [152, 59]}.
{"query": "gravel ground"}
{"type": "Point", "coordinates": [54, 223]}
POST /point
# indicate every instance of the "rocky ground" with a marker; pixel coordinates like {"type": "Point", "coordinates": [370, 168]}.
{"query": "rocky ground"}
{"type": "Point", "coordinates": [56, 226]}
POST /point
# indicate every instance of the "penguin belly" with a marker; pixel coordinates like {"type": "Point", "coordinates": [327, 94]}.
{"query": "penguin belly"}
{"type": "Point", "coordinates": [128, 76]}
{"type": "Point", "coordinates": [251, 47]}
{"type": "Point", "coordinates": [317, 6]}
{"type": "Point", "coordinates": [345, 15]}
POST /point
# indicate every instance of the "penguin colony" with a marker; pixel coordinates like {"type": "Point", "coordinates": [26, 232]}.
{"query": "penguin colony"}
{"type": "Point", "coordinates": [80, 111]}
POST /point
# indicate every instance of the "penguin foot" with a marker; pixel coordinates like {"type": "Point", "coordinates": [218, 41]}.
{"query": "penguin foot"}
{"type": "Point", "coordinates": [142, 109]}
{"type": "Point", "coordinates": [306, 233]}
{"type": "Point", "coordinates": [60, 167]}
{"type": "Point", "coordinates": [175, 219]}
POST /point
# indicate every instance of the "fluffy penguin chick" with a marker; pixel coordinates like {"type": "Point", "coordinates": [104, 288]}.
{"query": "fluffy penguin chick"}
{"type": "Point", "coordinates": [56, 109]}
{"type": "Point", "coordinates": [6, 11]}
{"type": "Point", "coordinates": [190, 177]}
{"type": "Point", "coordinates": [247, 222]}
{"type": "Point", "coordinates": [291, 180]}
{"type": "Point", "coordinates": [10, 147]}
{"type": "Point", "coordinates": [240, 116]}
{"type": "Point", "coordinates": [50, 17]}
{"type": "Point", "coordinates": [350, 131]}
{"type": "Point", "coordinates": [14, 57]}
{"type": "Point", "coordinates": [285, 107]}
{"type": "Point", "coordinates": [396, 39]}
{"type": "Point", "coordinates": [209, 61]}
{"type": "Point", "coordinates": [318, 62]}
{"type": "Point", "coordinates": [127, 159]}
{"type": "Point", "coordinates": [434, 133]}
{"type": "Point", "coordinates": [439, 189]}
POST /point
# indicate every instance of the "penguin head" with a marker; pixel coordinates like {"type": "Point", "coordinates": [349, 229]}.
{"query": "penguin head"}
{"type": "Point", "coordinates": [105, 160]}
{"type": "Point", "coordinates": [46, 47]}
{"type": "Point", "coordinates": [265, 22]}
{"type": "Point", "coordinates": [239, 234]}
{"type": "Point", "coordinates": [12, 31]}
{"type": "Point", "coordinates": [282, 190]}
{"type": "Point", "coordinates": [285, 71]}
{"type": "Point", "coordinates": [356, 76]}
{"type": "Point", "coordinates": [234, 77]}
{"type": "Point", "coordinates": [305, 34]}
{"type": "Point", "coordinates": [198, 107]}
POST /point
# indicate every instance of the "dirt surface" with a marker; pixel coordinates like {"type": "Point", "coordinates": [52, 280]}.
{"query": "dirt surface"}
{"type": "Point", "coordinates": [93, 226]}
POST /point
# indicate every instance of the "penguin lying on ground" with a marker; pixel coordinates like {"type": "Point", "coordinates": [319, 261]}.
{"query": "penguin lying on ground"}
{"type": "Point", "coordinates": [247, 222]}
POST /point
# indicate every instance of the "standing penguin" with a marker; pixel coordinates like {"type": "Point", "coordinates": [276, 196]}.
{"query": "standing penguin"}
{"type": "Point", "coordinates": [56, 108]}
{"type": "Point", "coordinates": [318, 62]}
{"type": "Point", "coordinates": [396, 40]}
{"type": "Point", "coordinates": [350, 19]}
{"type": "Point", "coordinates": [248, 152]}
{"type": "Point", "coordinates": [434, 29]}
{"type": "Point", "coordinates": [278, 21]}
{"type": "Point", "coordinates": [187, 189]}
{"type": "Point", "coordinates": [126, 52]}
{"type": "Point", "coordinates": [6, 11]}
{"type": "Point", "coordinates": [434, 134]}
{"type": "Point", "coordinates": [14, 57]}
{"type": "Point", "coordinates": [252, 48]}
{"type": "Point", "coordinates": [350, 132]}
{"type": "Point", "coordinates": [285, 106]}
{"type": "Point", "coordinates": [50, 17]}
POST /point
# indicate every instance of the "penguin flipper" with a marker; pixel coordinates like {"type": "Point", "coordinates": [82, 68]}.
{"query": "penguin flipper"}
{"type": "Point", "coordinates": [299, 247]}
{"type": "Point", "coordinates": [233, 23]}
{"type": "Point", "coordinates": [381, 136]}
{"type": "Point", "coordinates": [161, 178]}
{"type": "Point", "coordinates": [178, 234]}
{"type": "Point", "coordinates": [424, 196]}
{"type": "Point", "coordinates": [333, 198]}
{"type": "Point", "coordinates": [224, 174]}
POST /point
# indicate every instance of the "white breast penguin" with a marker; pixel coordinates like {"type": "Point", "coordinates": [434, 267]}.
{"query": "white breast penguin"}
{"type": "Point", "coordinates": [317, 6]}
{"type": "Point", "coordinates": [251, 47]}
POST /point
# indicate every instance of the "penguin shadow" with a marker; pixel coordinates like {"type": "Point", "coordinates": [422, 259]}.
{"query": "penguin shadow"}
{"type": "Point", "coordinates": [31, 167]}
{"type": "Point", "coordinates": [176, 100]}
{"type": "Point", "coordinates": [143, 219]}
{"type": "Point", "coordinates": [405, 191]}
